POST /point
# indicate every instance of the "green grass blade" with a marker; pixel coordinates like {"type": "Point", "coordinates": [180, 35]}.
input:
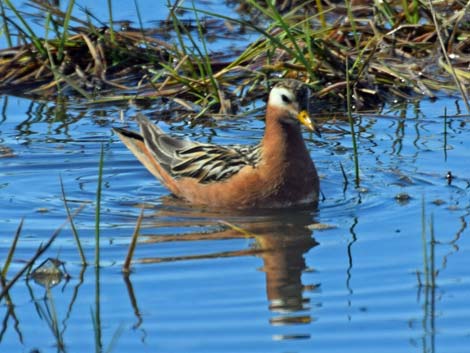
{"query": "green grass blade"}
{"type": "Point", "coordinates": [424, 242]}
{"type": "Point", "coordinates": [176, 28]}
{"type": "Point", "coordinates": [12, 249]}
{"type": "Point", "coordinates": [95, 320]}
{"type": "Point", "coordinates": [205, 56]}
{"type": "Point", "coordinates": [72, 225]}
{"type": "Point", "coordinates": [65, 28]}
{"type": "Point", "coordinates": [386, 11]}
{"type": "Point", "coordinates": [98, 208]}
{"type": "Point", "coordinates": [97, 314]}
{"type": "Point", "coordinates": [320, 13]}
{"type": "Point", "coordinates": [111, 22]}
{"type": "Point", "coordinates": [276, 16]}
{"type": "Point", "coordinates": [126, 267]}
{"type": "Point", "coordinates": [58, 76]}
{"type": "Point", "coordinates": [141, 24]}
{"type": "Point", "coordinates": [445, 134]}
{"type": "Point", "coordinates": [351, 124]}
{"type": "Point", "coordinates": [432, 255]}
{"type": "Point", "coordinates": [6, 29]}
{"type": "Point", "coordinates": [413, 16]}
{"type": "Point", "coordinates": [118, 333]}
{"type": "Point", "coordinates": [273, 39]}
{"type": "Point", "coordinates": [458, 82]}
{"type": "Point", "coordinates": [352, 21]}
{"type": "Point", "coordinates": [36, 42]}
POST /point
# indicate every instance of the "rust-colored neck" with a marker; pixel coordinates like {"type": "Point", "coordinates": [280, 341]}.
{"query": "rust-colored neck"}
{"type": "Point", "coordinates": [282, 141]}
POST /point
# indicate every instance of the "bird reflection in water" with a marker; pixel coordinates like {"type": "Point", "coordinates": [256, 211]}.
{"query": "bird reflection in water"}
{"type": "Point", "coordinates": [280, 238]}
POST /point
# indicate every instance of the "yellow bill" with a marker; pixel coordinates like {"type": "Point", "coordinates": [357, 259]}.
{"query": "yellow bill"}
{"type": "Point", "coordinates": [305, 120]}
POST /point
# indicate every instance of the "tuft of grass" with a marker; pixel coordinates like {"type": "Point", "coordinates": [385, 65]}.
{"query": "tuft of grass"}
{"type": "Point", "coordinates": [197, 74]}
{"type": "Point", "coordinates": [393, 45]}
{"type": "Point", "coordinates": [289, 31]}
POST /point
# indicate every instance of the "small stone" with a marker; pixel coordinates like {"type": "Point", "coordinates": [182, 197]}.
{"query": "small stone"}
{"type": "Point", "coordinates": [449, 177]}
{"type": "Point", "coordinates": [438, 202]}
{"type": "Point", "coordinates": [49, 273]}
{"type": "Point", "coordinates": [403, 197]}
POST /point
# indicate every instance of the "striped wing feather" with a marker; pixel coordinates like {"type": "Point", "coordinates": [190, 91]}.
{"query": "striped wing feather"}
{"type": "Point", "coordinates": [205, 162]}
{"type": "Point", "coordinates": [208, 163]}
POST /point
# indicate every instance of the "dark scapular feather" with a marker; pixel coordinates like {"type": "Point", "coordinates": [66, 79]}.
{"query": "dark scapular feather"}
{"type": "Point", "coordinates": [205, 162]}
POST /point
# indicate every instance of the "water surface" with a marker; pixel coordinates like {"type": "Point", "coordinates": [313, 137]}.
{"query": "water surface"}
{"type": "Point", "coordinates": [382, 267]}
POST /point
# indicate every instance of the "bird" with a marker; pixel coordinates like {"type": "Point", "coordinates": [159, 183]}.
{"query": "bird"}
{"type": "Point", "coordinates": [278, 172]}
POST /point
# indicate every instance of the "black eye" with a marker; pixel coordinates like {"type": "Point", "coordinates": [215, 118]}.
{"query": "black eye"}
{"type": "Point", "coordinates": [285, 99]}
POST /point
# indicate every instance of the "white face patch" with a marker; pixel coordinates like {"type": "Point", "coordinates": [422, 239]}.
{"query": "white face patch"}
{"type": "Point", "coordinates": [281, 97]}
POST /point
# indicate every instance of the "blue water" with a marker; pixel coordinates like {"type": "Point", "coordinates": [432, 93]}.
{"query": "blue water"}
{"type": "Point", "coordinates": [383, 275]}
